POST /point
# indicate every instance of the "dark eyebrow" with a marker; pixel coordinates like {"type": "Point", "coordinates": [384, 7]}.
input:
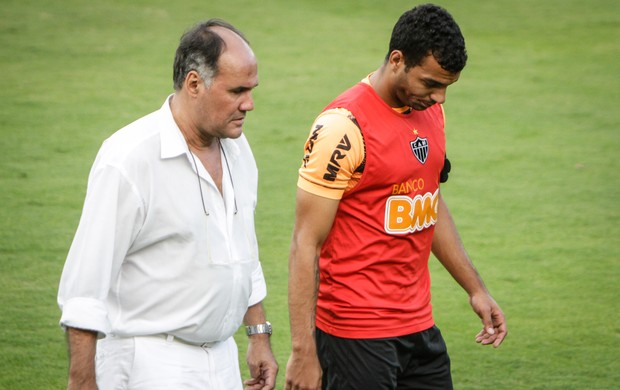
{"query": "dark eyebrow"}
{"type": "Point", "coordinates": [433, 83]}
{"type": "Point", "coordinates": [243, 88]}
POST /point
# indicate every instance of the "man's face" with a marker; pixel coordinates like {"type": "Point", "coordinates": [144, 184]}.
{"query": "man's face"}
{"type": "Point", "coordinates": [223, 104]}
{"type": "Point", "coordinates": [423, 85]}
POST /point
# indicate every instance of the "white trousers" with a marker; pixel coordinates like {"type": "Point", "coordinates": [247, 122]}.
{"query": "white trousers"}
{"type": "Point", "coordinates": [157, 363]}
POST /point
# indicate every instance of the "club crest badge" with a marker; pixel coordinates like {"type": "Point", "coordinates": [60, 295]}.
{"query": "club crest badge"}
{"type": "Point", "coordinates": [419, 147]}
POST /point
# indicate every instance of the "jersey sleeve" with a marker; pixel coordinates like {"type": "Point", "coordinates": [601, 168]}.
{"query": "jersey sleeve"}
{"type": "Point", "coordinates": [333, 153]}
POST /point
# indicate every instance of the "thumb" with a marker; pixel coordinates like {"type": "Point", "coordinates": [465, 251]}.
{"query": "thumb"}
{"type": "Point", "coordinates": [484, 309]}
{"type": "Point", "coordinates": [487, 322]}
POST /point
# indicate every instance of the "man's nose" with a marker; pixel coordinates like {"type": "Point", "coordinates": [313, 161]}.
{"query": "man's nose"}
{"type": "Point", "coordinates": [248, 103]}
{"type": "Point", "coordinates": [439, 95]}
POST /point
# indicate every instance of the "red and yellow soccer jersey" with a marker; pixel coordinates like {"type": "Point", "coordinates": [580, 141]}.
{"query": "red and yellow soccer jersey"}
{"type": "Point", "coordinates": [384, 167]}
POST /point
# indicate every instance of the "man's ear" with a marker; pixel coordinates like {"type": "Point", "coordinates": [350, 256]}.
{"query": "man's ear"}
{"type": "Point", "coordinates": [396, 59]}
{"type": "Point", "coordinates": [192, 82]}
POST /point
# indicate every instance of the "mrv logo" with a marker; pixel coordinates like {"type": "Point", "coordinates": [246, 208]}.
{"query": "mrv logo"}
{"type": "Point", "coordinates": [334, 165]}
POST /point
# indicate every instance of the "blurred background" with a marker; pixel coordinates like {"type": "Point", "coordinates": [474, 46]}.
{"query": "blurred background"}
{"type": "Point", "coordinates": [533, 136]}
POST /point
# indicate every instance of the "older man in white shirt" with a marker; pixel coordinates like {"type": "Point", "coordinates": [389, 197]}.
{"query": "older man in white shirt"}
{"type": "Point", "coordinates": [164, 266]}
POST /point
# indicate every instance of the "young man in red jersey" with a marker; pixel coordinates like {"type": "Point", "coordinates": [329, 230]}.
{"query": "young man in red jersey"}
{"type": "Point", "coordinates": [369, 213]}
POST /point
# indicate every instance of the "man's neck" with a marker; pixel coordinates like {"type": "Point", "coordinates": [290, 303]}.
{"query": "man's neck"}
{"type": "Point", "coordinates": [196, 140]}
{"type": "Point", "coordinates": [379, 81]}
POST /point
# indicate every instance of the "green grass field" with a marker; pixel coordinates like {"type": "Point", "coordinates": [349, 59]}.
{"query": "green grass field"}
{"type": "Point", "coordinates": [533, 134]}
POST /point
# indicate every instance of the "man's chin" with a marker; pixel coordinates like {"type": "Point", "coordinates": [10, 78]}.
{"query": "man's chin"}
{"type": "Point", "coordinates": [234, 133]}
{"type": "Point", "coordinates": [421, 106]}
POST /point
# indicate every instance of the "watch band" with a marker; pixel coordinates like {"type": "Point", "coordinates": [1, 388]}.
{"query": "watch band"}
{"type": "Point", "coordinates": [259, 329]}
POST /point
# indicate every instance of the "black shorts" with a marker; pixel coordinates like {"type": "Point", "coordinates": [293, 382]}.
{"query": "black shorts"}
{"type": "Point", "coordinates": [416, 361]}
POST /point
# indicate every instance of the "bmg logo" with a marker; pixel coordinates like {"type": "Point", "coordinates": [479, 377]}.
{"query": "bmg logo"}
{"type": "Point", "coordinates": [407, 215]}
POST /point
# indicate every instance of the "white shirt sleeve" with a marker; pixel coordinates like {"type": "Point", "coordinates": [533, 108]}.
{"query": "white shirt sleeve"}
{"type": "Point", "coordinates": [110, 221]}
{"type": "Point", "coordinates": [259, 287]}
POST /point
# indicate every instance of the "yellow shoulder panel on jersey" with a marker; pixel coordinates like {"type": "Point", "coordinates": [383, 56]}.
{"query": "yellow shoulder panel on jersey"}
{"type": "Point", "coordinates": [333, 151]}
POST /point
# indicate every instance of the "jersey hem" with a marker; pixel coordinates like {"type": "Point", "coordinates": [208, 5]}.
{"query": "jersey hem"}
{"type": "Point", "coordinates": [318, 189]}
{"type": "Point", "coordinates": [374, 332]}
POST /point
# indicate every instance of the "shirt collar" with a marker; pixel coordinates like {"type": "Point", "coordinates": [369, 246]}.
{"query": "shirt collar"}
{"type": "Point", "coordinates": [172, 141]}
{"type": "Point", "coordinates": [231, 149]}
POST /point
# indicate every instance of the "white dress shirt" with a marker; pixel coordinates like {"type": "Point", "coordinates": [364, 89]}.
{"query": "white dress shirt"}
{"type": "Point", "coordinates": [145, 258]}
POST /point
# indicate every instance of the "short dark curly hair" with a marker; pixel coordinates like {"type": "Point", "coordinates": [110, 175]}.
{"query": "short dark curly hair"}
{"type": "Point", "coordinates": [429, 29]}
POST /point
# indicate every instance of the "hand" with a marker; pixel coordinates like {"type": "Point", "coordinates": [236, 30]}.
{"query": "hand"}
{"type": "Point", "coordinates": [493, 321]}
{"type": "Point", "coordinates": [262, 364]}
{"type": "Point", "coordinates": [303, 372]}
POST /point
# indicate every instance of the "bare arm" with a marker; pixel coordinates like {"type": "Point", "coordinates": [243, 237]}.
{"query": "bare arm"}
{"type": "Point", "coordinates": [449, 250]}
{"type": "Point", "coordinates": [261, 362]}
{"type": "Point", "coordinates": [313, 221]}
{"type": "Point", "coordinates": [82, 348]}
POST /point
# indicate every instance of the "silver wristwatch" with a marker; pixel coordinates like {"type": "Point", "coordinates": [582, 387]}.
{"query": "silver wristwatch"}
{"type": "Point", "coordinates": [259, 329]}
